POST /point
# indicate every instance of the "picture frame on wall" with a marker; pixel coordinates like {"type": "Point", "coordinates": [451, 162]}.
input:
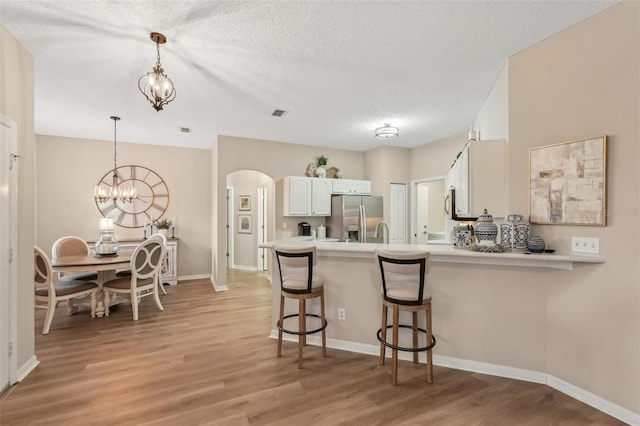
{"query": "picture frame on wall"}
{"type": "Point", "coordinates": [244, 202]}
{"type": "Point", "coordinates": [568, 183]}
{"type": "Point", "coordinates": [244, 223]}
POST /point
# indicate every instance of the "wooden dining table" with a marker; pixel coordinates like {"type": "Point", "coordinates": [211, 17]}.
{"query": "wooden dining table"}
{"type": "Point", "coordinates": [105, 266]}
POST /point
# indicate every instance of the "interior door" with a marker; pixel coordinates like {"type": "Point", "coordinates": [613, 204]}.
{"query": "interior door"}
{"type": "Point", "coordinates": [422, 213]}
{"type": "Point", "coordinates": [398, 214]}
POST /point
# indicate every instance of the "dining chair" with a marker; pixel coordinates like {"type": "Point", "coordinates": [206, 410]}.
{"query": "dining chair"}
{"type": "Point", "coordinates": [48, 293]}
{"type": "Point", "coordinates": [164, 267]}
{"type": "Point", "coordinates": [145, 265]}
{"type": "Point", "coordinates": [72, 246]}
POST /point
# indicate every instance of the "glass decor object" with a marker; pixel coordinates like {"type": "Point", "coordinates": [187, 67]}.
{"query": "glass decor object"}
{"type": "Point", "coordinates": [107, 244]}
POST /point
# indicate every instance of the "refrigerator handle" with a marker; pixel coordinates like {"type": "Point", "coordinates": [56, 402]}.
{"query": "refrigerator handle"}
{"type": "Point", "coordinates": [364, 224]}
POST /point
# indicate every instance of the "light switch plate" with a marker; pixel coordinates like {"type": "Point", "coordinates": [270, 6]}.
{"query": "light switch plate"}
{"type": "Point", "coordinates": [585, 245]}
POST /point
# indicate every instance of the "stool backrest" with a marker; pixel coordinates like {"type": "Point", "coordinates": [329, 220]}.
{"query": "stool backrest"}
{"type": "Point", "coordinates": [403, 273]}
{"type": "Point", "coordinates": [296, 263]}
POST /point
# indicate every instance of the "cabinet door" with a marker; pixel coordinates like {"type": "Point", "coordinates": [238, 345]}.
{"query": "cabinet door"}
{"type": "Point", "coordinates": [297, 196]}
{"type": "Point", "coordinates": [321, 197]}
{"type": "Point", "coordinates": [458, 178]}
{"type": "Point", "coordinates": [340, 186]}
{"type": "Point", "coordinates": [361, 187]}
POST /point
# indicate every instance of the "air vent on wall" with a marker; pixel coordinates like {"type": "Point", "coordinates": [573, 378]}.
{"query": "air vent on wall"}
{"type": "Point", "coordinates": [185, 129]}
{"type": "Point", "coordinates": [278, 112]}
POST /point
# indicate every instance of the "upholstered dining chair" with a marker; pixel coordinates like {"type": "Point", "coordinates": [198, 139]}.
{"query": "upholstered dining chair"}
{"type": "Point", "coordinates": [165, 266]}
{"type": "Point", "coordinates": [72, 246]}
{"type": "Point", "coordinates": [145, 265]}
{"type": "Point", "coordinates": [48, 293]}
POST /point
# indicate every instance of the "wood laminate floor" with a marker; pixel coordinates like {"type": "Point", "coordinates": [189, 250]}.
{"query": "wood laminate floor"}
{"type": "Point", "coordinates": [207, 360]}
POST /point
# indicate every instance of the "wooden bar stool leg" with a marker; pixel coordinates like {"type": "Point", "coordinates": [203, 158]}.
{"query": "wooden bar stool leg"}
{"type": "Point", "coordinates": [301, 328]}
{"type": "Point", "coordinates": [429, 338]}
{"type": "Point", "coordinates": [415, 335]}
{"type": "Point", "coordinates": [281, 324]}
{"type": "Point", "coordinates": [384, 333]}
{"type": "Point", "coordinates": [324, 330]}
{"type": "Point", "coordinates": [394, 352]}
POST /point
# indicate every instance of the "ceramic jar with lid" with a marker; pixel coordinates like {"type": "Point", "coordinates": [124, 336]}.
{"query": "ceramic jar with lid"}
{"type": "Point", "coordinates": [515, 233]}
{"type": "Point", "coordinates": [486, 231]}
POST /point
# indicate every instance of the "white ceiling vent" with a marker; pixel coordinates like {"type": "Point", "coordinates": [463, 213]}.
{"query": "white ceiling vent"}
{"type": "Point", "coordinates": [278, 112]}
{"type": "Point", "coordinates": [185, 129]}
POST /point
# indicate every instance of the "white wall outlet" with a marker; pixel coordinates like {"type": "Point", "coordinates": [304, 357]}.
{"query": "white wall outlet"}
{"type": "Point", "coordinates": [585, 245]}
{"type": "Point", "coordinates": [284, 225]}
{"type": "Point", "coordinates": [341, 314]}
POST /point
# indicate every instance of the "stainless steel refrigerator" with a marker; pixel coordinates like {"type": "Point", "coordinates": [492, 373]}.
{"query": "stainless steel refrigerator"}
{"type": "Point", "coordinates": [354, 218]}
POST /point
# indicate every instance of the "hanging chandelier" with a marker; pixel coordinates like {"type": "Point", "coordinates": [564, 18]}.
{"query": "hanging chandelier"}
{"type": "Point", "coordinates": [155, 85]}
{"type": "Point", "coordinates": [115, 193]}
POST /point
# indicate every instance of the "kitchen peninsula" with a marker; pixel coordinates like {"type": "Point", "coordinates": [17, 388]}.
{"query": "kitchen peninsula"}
{"type": "Point", "coordinates": [482, 316]}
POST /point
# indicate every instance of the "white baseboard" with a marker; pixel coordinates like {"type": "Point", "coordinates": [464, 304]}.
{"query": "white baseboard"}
{"type": "Point", "coordinates": [573, 391]}
{"type": "Point", "coordinates": [27, 368]}
{"type": "Point", "coordinates": [595, 401]}
{"type": "Point", "coordinates": [245, 268]}
{"type": "Point", "coordinates": [194, 277]}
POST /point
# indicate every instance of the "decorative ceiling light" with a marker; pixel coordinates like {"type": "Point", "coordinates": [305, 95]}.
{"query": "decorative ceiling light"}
{"type": "Point", "coordinates": [115, 193]}
{"type": "Point", "coordinates": [156, 86]}
{"type": "Point", "coordinates": [387, 132]}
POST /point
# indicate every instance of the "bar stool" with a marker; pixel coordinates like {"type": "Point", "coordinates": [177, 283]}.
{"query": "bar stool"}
{"type": "Point", "coordinates": [298, 282]}
{"type": "Point", "coordinates": [403, 289]}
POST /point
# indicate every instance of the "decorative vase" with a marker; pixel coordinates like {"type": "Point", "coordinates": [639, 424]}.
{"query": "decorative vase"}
{"type": "Point", "coordinates": [164, 232]}
{"type": "Point", "coordinates": [535, 244]}
{"type": "Point", "coordinates": [461, 236]}
{"type": "Point", "coordinates": [486, 231]}
{"type": "Point", "coordinates": [321, 171]}
{"type": "Point", "coordinates": [515, 233]}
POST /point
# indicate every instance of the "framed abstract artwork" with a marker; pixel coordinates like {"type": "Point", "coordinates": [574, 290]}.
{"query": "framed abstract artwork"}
{"type": "Point", "coordinates": [568, 183]}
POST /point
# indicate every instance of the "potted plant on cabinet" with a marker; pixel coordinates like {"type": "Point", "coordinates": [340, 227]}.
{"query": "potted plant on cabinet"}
{"type": "Point", "coordinates": [321, 170]}
{"type": "Point", "coordinates": [163, 226]}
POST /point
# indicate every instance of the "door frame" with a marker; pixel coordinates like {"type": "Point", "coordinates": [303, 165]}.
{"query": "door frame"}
{"type": "Point", "coordinates": [414, 206]}
{"type": "Point", "coordinates": [261, 226]}
{"type": "Point", "coordinates": [230, 228]}
{"type": "Point", "coordinates": [9, 227]}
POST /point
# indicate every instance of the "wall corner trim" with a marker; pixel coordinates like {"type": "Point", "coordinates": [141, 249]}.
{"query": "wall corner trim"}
{"type": "Point", "coordinates": [27, 368]}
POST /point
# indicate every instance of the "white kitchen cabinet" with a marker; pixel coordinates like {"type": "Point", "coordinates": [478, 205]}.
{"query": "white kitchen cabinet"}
{"type": "Point", "coordinates": [305, 196]}
{"type": "Point", "coordinates": [170, 263]}
{"type": "Point", "coordinates": [458, 179]}
{"type": "Point", "coordinates": [351, 186]}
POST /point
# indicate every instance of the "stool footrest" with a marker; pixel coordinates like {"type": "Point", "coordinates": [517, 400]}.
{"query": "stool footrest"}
{"type": "Point", "coordinates": [402, 348]}
{"type": "Point", "coordinates": [300, 333]}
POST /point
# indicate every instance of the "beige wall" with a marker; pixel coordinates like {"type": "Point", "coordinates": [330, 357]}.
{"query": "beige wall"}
{"type": "Point", "coordinates": [16, 102]}
{"type": "Point", "coordinates": [584, 83]}
{"type": "Point", "coordinates": [68, 170]}
{"type": "Point", "coordinates": [276, 160]}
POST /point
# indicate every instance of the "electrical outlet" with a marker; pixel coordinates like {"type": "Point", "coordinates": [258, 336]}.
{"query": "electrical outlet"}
{"type": "Point", "coordinates": [284, 225]}
{"type": "Point", "coordinates": [341, 314]}
{"type": "Point", "coordinates": [585, 245]}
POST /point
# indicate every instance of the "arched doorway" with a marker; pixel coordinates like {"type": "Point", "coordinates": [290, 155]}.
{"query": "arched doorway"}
{"type": "Point", "coordinates": [250, 219]}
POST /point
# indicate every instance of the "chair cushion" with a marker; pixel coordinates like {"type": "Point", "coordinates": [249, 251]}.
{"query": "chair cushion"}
{"type": "Point", "coordinates": [300, 282]}
{"type": "Point", "coordinates": [125, 282]}
{"type": "Point", "coordinates": [402, 291]}
{"type": "Point", "coordinates": [80, 276]}
{"type": "Point", "coordinates": [66, 287]}
{"type": "Point", "coordinates": [123, 273]}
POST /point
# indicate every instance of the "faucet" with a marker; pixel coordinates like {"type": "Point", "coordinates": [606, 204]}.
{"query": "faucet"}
{"type": "Point", "coordinates": [385, 235]}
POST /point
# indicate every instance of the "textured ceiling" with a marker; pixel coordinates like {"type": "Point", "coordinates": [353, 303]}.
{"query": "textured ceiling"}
{"type": "Point", "coordinates": [340, 68]}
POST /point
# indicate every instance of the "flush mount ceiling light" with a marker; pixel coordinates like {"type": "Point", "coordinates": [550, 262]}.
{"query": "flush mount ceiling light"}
{"type": "Point", "coordinates": [155, 85]}
{"type": "Point", "coordinates": [387, 132]}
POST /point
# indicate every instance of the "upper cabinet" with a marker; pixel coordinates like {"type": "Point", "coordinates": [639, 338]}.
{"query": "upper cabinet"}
{"type": "Point", "coordinates": [305, 196]}
{"type": "Point", "coordinates": [479, 178]}
{"type": "Point", "coordinates": [351, 186]}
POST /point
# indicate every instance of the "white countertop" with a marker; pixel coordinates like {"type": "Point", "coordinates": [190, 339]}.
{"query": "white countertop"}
{"type": "Point", "coordinates": [447, 254]}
